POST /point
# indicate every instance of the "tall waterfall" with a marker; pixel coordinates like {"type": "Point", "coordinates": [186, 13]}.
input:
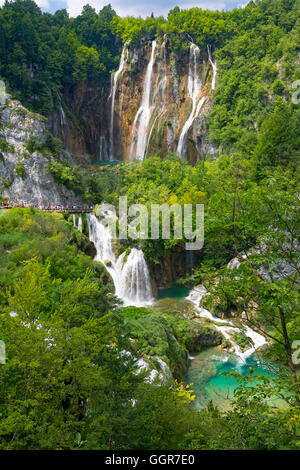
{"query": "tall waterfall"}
{"type": "Point", "coordinates": [214, 67]}
{"type": "Point", "coordinates": [115, 79]}
{"type": "Point", "coordinates": [194, 88]}
{"type": "Point", "coordinates": [130, 274]}
{"type": "Point", "coordinates": [143, 115]}
{"type": "Point", "coordinates": [62, 116]}
{"type": "Point", "coordinates": [160, 92]}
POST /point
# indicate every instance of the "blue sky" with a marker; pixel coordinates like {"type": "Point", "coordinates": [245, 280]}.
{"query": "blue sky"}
{"type": "Point", "coordinates": [137, 7]}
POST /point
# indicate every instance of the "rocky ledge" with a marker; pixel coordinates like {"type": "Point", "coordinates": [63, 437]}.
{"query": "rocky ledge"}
{"type": "Point", "coordinates": [23, 168]}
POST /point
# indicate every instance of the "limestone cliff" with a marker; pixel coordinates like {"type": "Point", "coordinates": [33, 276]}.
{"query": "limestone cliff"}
{"type": "Point", "coordinates": [102, 121]}
{"type": "Point", "coordinates": [170, 102]}
{"type": "Point", "coordinates": [23, 174]}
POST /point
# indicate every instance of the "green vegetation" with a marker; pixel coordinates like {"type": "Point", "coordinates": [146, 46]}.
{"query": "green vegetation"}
{"type": "Point", "coordinates": [52, 145]}
{"type": "Point", "coordinates": [20, 170]}
{"type": "Point", "coordinates": [167, 334]}
{"type": "Point", "coordinates": [5, 146]}
{"type": "Point", "coordinates": [53, 51]}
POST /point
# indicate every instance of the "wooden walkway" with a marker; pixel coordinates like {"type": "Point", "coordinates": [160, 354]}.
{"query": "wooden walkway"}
{"type": "Point", "coordinates": [70, 209]}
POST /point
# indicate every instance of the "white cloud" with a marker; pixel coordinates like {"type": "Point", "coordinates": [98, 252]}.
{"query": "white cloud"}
{"type": "Point", "coordinates": [143, 7]}
{"type": "Point", "coordinates": [138, 7]}
{"type": "Point", "coordinates": [40, 3]}
{"type": "Point", "coordinates": [43, 3]}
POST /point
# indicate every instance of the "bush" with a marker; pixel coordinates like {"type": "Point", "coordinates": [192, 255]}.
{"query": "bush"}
{"type": "Point", "coordinates": [33, 145]}
{"type": "Point", "coordinates": [5, 146]}
{"type": "Point", "coordinates": [20, 170]}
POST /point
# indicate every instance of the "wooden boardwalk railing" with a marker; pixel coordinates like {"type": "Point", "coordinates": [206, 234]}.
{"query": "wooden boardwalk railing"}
{"type": "Point", "coordinates": [71, 209]}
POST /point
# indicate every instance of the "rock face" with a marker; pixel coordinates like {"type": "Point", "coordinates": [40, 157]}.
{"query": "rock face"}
{"type": "Point", "coordinates": [170, 102]}
{"type": "Point", "coordinates": [84, 119]}
{"type": "Point", "coordinates": [23, 175]}
{"type": "Point", "coordinates": [81, 121]}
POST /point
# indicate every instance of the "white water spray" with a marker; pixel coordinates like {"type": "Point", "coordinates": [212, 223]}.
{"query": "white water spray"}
{"type": "Point", "coordinates": [130, 274]}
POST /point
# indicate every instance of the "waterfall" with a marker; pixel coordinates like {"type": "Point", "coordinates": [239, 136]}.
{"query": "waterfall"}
{"type": "Point", "coordinates": [123, 61]}
{"type": "Point", "coordinates": [62, 115]}
{"type": "Point", "coordinates": [194, 88]}
{"type": "Point", "coordinates": [79, 226]}
{"type": "Point", "coordinates": [214, 67]}
{"type": "Point", "coordinates": [143, 115]}
{"type": "Point", "coordinates": [160, 93]}
{"type": "Point", "coordinates": [103, 150]}
{"type": "Point", "coordinates": [135, 283]}
{"type": "Point", "coordinates": [257, 340]}
{"type": "Point", "coordinates": [130, 274]}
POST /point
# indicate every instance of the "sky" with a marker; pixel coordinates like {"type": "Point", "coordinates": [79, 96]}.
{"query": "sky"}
{"type": "Point", "coordinates": [137, 7]}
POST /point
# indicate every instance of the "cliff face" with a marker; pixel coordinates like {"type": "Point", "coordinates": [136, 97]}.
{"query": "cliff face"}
{"type": "Point", "coordinates": [23, 175]}
{"type": "Point", "coordinates": [170, 103]}
{"type": "Point", "coordinates": [148, 104]}
{"type": "Point", "coordinates": [81, 121]}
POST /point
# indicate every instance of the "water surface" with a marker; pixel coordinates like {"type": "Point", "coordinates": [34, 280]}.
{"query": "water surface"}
{"type": "Point", "coordinates": [208, 385]}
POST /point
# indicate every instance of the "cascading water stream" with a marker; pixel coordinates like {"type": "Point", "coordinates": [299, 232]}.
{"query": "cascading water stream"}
{"type": "Point", "coordinates": [143, 115]}
{"type": "Point", "coordinates": [214, 67]}
{"type": "Point", "coordinates": [159, 95]}
{"type": "Point", "coordinates": [103, 149]}
{"type": "Point", "coordinates": [130, 273]}
{"type": "Point", "coordinates": [135, 283]}
{"type": "Point", "coordinates": [258, 340]}
{"type": "Point", "coordinates": [79, 225]}
{"type": "Point", "coordinates": [117, 74]}
{"type": "Point", "coordinates": [194, 88]}
{"type": "Point", "coordinates": [62, 115]}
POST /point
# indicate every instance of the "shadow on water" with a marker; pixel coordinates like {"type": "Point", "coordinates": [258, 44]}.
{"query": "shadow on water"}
{"type": "Point", "coordinates": [174, 292]}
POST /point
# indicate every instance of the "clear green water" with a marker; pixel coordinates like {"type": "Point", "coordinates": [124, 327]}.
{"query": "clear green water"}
{"type": "Point", "coordinates": [174, 292]}
{"type": "Point", "coordinates": [206, 366]}
{"type": "Point", "coordinates": [208, 385]}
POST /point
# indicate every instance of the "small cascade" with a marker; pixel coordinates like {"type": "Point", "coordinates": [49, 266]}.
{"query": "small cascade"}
{"type": "Point", "coordinates": [194, 88]}
{"type": "Point", "coordinates": [79, 225]}
{"type": "Point", "coordinates": [115, 79]}
{"type": "Point", "coordinates": [189, 261]}
{"type": "Point", "coordinates": [257, 340]}
{"type": "Point", "coordinates": [143, 115]}
{"type": "Point", "coordinates": [130, 274]}
{"type": "Point", "coordinates": [214, 67]}
{"type": "Point", "coordinates": [103, 149]}
{"type": "Point", "coordinates": [135, 283]}
{"type": "Point", "coordinates": [62, 115]}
